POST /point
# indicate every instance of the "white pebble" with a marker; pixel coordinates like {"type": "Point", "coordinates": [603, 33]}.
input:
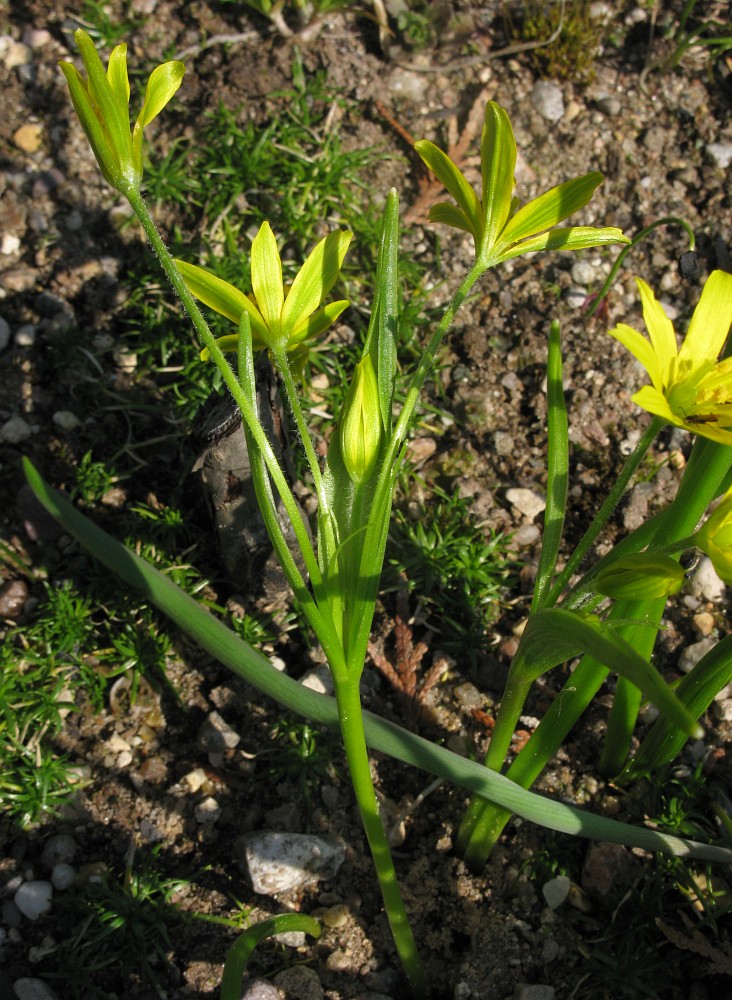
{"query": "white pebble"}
{"type": "Point", "coordinates": [63, 876]}
{"type": "Point", "coordinates": [33, 899]}
{"type": "Point", "coordinates": [65, 420]}
{"type": "Point", "coordinates": [25, 336]}
{"type": "Point", "coordinates": [10, 244]}
{"type": "Point", "coordinates": [207, 811]}
{"type": "Point", "coordinates": [15, 430]}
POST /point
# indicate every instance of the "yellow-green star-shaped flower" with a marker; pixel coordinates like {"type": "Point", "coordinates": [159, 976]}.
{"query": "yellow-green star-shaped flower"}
{"type": "Point", "coordinates": [690, 387]}
{"type": "Point", "coordinates": [102, 102]}
{"type": "Point", "coordinates": [281, 320]}
{"type": "Point", "coordinates": [501, 227]}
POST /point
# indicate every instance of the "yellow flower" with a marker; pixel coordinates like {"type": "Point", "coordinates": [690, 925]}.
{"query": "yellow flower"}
{"type": "Point", "coordinates": [280, 320]}
{"type": "Point", "coordinates": [501, 227]}
{"type": "Point", "coordinates": [102, 102]}
{"type": "Point", "coordinates": [690, 387]}
{"type": "Point", "coordinates": [714, 538]}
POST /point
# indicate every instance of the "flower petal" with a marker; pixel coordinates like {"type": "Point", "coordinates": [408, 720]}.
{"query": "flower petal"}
{"type": "Point", "coordinates": [314, 280]}
{"type": "Point", "coordinates": [98, 136]}
{"type": "Point", "coordinates": [661, 331]}
{"type": "Point", "coordinates": [119, 81]}
{"type": "Point", "coordinates": [641, 349]}
{"type": "Point", "coordinates": [222, 297]}
{"type": "Point", "coordinates": [550, 208]}
{"type": "Point", "coordinates": [711, 321]}
{"type": "Point", "coordinates": [655, 402]}
{"type": "Point", "coordinates": [448, 174]}
{"type": "Point", "coordinates": [317, 323]}
{"type": "Point", "coordinates": [498, 164]}
{"type": "Point", "coordinates": [162, 85]}
{"type": "Point", "coordinates": [114, 113]}
{"type": "Point", "coordinates": [267, 285]}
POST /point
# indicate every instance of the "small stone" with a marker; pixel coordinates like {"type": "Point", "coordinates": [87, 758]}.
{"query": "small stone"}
{"type": "Point", "coordinates": [13, 595]}
{"type": "Point", "coordinates": [280, 862]}
{"type": "Point", "coordinates": [691, 655]}
{"type": "Point", "coordinates": [124, 759]}
{"type": "Point", "coordinates": [503, 443]}
{"type": "Point", "coordinates": [537, 991]}
{"type": "Point", "coordinates": [527, 535]}
{"type": "Point", "coordinates": [65, 420]}
{"type": "Point", "coordinates": [195, 779]}
{"type": "Point", "coordinates": [468, 696]}
{"type": "Point", "coordinates": [260, 989]}
{"type": "Point", "coordinates": [59, 849]}
{"type": "Point", "coordinates": [207, 811]}
{"type": "Point", "coordinates": [548, 100]}
{"type": "Point", "coordinates": [300, 983]}
{"type": "Point", "coordinates": [608, 870]}
{"type": "Point", "coordinates": [703, 623]}
{"type": "Point", "coordinates": [10, 244]}
{"type": "Point", "coordinates": [526, 502]}
{"type": "Point", "coordinates": [723, 709]}
{"type": "Point", "coordinates": [609, 105]}
{"type": "Point", "coordinates": [154, 770]}
{"type": "Point", "coordinates": [33, 899]}
{"type": "Point", "coordinates": [4, 333]}
{"type": "Point", "coordinates": [15, 430]}
{"type": "Point", "coordinates": [36, 38]}
{"type": "Point", "coordinates": [318, 679]}
{"type": "Point", "coordinates": [337, 916]}
{"type": "Point", "coordinates": [216, 735]}
{"type": "Point", "coordinates": [706, 584]}
{"type": "Point", "coordinates": [556, 890]}
{"type": "Point", "coordinates": [28, 138]}
{"type": "Point", "coordinates": [720, 153]}
{"type": "Point", "coordinates": [575, 297]}
{"type": "Point", "coordinates": [63, 876]}
{"type": "Point", "coordinates": [32, 989]}
{"type": "Point", "coordinates": [14, 53]}
{"type": "Point", "coordinates": [25, 336]}
{"type": "Point", "coordinates": [117, 744]}
{"type": "Point", "coordinates": [583, 273]}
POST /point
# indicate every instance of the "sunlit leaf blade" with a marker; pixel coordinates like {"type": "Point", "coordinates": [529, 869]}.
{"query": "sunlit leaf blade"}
{"type": "Point", "coordinates": [116, 114]}
{"type": "Point", "coordinates": [239, 953]}
{"type": "Point", "coordinates": [498, 164]}
{"type": "Point", "coordinates": [450, 215]}
{"type": "Point", "coordinates": [384, 352]}
{"type": "Point", "coordinates": [448, 174]}
{"type": "Point", "coordinates": [227, 344]}
{"type": "Point", "coordinates": [220, 296]}
{"type": "Point", "coordinates": [553, 635]}
{"type": "Point", "coordinates": [93, 128]}
{"type": "Point", "coordinates": [573, 238]}
{"type": "Point", "coordinates": [315, 278]}
{"type": "Point", "coordinates": [551, 208]}
{"type": "Point", "coordinates": [251, 665]}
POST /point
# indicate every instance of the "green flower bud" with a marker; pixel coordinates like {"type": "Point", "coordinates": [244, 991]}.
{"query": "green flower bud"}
{"type": "Point", "coordinates": [361, 424]}
{"type": "Point", "coordinates": [640, 576]}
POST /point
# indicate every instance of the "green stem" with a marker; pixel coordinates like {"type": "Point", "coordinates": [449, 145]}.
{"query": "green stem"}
{"type": "Point", "coordinates": [247, 406]}
{"type": "Point", "coordinates": [354, 740]}
{"type": "Point", "coordinates": [611, 501]}
{"type": "Point", "coordinates": [377, 529]}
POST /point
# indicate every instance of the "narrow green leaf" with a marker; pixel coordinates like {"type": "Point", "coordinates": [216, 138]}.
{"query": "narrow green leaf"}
{"type": "Point", "coordinates": [558, 470]}
{"type": "Point", "coordinates": [119, 81]}
{"type": "Point", "coordinates": [551, 208]}
{"type": "Point", "coordinates": [696, 690]}
{"type": "Point", "coordinates": [386, 737]}
{"type": "Point", "coordinates": [384, 351]}
{"type": "Point", "coordinates": [314, 279]}
{"type": "Point", "coordinates": [573, 238]}
{"type": "Point", "coordinates": [554, 635]}
{"type": "Point", "coordinates": [448, 174]}
{"type": "Point", "coordinates": [498, 165]}
{"type": "Point", "coordinates": [450, 215]}
{"type": "Point", "coordinates": [238, 955]}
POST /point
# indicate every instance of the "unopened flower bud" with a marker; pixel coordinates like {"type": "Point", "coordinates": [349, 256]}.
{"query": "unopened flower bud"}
{"type": "Point", "coordinates": [714, 538]}
{"type": "Point", "coordinates": [640, 576]}
{"type": "Point", "coordinates": [361, 424]}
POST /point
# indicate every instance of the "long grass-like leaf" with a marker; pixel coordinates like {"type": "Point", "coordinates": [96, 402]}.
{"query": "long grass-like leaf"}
{"type": "Point", "coordinates": [255, 668]}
